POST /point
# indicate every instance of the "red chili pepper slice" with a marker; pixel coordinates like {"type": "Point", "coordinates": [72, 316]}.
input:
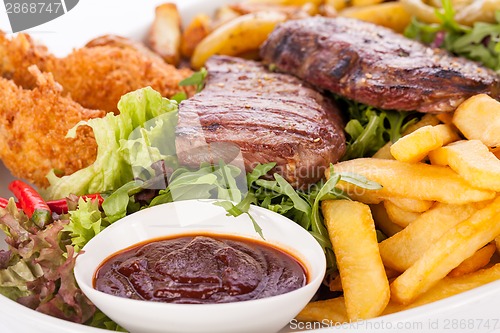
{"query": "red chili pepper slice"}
{"type": "Point", "coordinates": [31, 203]}
{"type": "Point", "coordinates": [3, 202]}
{"type": "Point", "coordinates": [61, 206]}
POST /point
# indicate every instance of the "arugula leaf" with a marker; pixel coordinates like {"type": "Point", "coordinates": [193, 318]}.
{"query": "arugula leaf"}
{"type": "Point", "coordinates": [197, 79]}
{"type": "Point", "coordinates": [370, 128]}
{"type": "Point", "coordinates": [481, 42]}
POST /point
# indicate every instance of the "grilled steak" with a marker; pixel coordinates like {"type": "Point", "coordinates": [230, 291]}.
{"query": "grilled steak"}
{"type": "Point", "coordinates": [375, 66]}
{"type": "Point", "coordinates": [271, 117]}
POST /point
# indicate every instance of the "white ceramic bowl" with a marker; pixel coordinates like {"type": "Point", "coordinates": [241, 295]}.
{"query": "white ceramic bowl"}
{"type": "Point", "coordinates": [193, 216]}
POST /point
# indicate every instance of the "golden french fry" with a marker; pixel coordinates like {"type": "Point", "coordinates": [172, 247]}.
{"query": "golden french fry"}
{"type": "Point", "coordinates": [449, 286]}
{"type": "Point", "coordinates": [497, 243]}
{"type": "Point", "coordinates": [411, 205]}
{"type": "Point", "coordinates": [398, 215]}
{"type": "Point", "coordinates": [475, 262]}
{"type": "Point", "coordinates": [411, 180]}
{"type": "Point", "coordinates": [415, 146]}
{"type": "Point", "coordinates": [457, 244]}
{"type": "Point", "coordinates": [384, 152]}
{"type": "Point", "coordinates": [445, 118]}
{"type": "Point", "coordinates": [427, 120]}
{"type": "Point", "coordinates": [390, 14]}
{"type": "Point", "coordinates": [333, 310]}
{"type": "Point", "coordinates": [472, 160]}
{"type": "Point", "coordinates": [165, 34]}
{"type": "Point", "coordinates": [365, 284]}
{"type": "Point", "coordinates": [194, 33]}
{"type": "Point", "coordinates": [383, 222]}
{"type": "Point", "coordinates": [478, 118]}
{"type": "Point", "coordinates": [403, 249]}
{"type": "Point", "coordinates": [243, 34]}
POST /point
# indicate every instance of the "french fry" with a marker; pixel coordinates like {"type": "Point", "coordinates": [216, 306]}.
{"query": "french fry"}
{"type": "Point", "coordinates": [243, 34]}
{"type": "Point", "coordinates": [384, 152]}
{"type": "Point", "coordinates": [398, 215]}
{"type": "Point", "coordinates": [447, 287]}
{"type": "Point", "coordinates": [472, 160]}
{"type": "Point", "coordinates": [333, 310]}
{"type": "Point", "coordinates": [445, 118]}
{"type": "Point", "coordinates": [478, 118]}
{"type": "Point", "coordinates": [382, 220]}
{"type": "Point", "coordinates": [415, 146]}
{"type": "Point", "coordinates": [457, 244]}
{"type": "Point", "coordinates": [475, 262]}
{"type": "Point", "coordinates": [194, 33]}
{"type": "Point", "coordinates": [403, 249]}
{"type": "Point", "coordinates": [390, 14]}
{"type": "Point", "coordinates": [365, 284]}
{"type": "Point", "coordinates": [291, 12]}
{"type": "Point", "coordinates": [497, 243]}
{"type": "Point", "coordinates": [411, 180]}
{"type": "Point", "coordinates": [427, 120]}
{"type": "Point", "coordinates": [411, 205]}
{"type": "Point", "coordinates": [165, 34]}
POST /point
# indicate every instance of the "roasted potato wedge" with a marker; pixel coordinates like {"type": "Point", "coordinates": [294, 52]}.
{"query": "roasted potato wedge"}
{"type": "Point", "coordinates": [241, 35]}
{"type": "Point", "coordinates": [165, 34]}
{"type": "Point", "coordinates": [392, 15]}
{"type": "Point", "coordinates": [194, 33]}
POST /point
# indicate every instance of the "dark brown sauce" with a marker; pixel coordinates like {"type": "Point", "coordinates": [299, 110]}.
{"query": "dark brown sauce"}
{"type": "Point", "coordinates": [198, 269]}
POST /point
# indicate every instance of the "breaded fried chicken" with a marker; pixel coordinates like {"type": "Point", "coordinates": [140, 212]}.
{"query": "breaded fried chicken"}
{"type": "Point", "coordinates": [96, 77]}
{"type": "Point", "coordinates": [33, 126]}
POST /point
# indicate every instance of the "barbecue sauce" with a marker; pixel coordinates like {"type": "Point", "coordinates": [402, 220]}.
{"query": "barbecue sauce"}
{"type": "Point", "coordinates": [200, 269]}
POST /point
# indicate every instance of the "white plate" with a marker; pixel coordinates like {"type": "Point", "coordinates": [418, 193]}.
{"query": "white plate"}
{"type": "Point", "coordinates": [474, 311]}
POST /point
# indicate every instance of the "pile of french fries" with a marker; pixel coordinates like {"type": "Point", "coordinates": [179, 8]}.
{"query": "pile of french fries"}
{"type": "Point", "coordinates": [439, 207]}
{"type": "Point", "coordinates": [239, 29]}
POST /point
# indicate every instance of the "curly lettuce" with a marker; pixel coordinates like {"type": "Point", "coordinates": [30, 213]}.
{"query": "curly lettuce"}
{"type": "Point", "coordinates": [140, 135]}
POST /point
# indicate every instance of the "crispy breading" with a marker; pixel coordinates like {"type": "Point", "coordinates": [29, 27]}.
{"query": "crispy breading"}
{"type": "Point", "coordinates": [33, 126]}
{"type": "Point", "coordinates": [96, 77]}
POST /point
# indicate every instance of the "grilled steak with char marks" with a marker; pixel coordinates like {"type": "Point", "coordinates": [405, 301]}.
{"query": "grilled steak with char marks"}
{"type": "Point", "coordinates": [375, 66]}
{"type": "Point", "coordinates": [271, 117]}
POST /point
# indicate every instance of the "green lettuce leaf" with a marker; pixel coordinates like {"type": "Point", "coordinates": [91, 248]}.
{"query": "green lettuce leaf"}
{"type": "Point", "coordinates": [85, 223]}
{"type": "Point", "coordinates": [140, 135]}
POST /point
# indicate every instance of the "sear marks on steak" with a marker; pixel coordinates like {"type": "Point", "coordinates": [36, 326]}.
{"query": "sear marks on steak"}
{"type": "Point", "coordinates": [375, 66]}
{"type": "Point", "coordinates": [270, 117]}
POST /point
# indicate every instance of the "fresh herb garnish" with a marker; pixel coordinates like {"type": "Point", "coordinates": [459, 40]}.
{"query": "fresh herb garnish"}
{"type": "Point", "coordinates": [369, 128]}
{"type": "Point", "coordinates": [197, 79]}
{"type": "Point", "coordinates": [481, 42]}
